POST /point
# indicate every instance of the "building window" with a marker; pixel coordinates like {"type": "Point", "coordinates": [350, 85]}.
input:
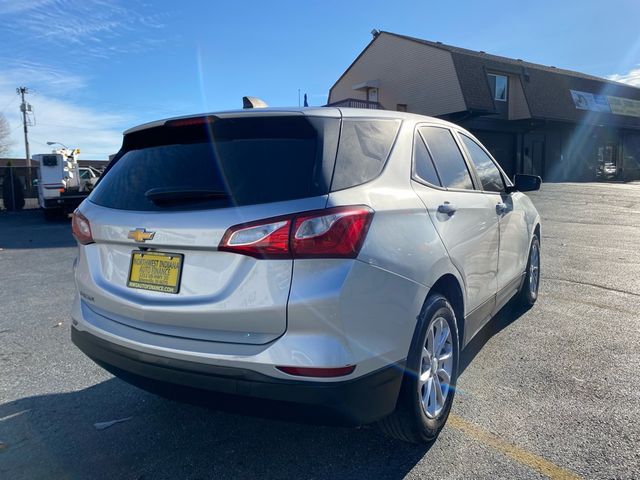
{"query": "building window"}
{"type": "Point", "coordinates": [498, 84]}
{"type": "Point", "coordinates": [401, 107]}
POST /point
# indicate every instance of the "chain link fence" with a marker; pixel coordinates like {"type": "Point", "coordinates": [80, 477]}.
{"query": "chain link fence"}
{"type": "Point", "coordinates": [18, 188]}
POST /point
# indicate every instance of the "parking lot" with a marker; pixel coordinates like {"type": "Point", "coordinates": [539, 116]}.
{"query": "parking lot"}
{"type": "Point", "coordinates": [551, 392]}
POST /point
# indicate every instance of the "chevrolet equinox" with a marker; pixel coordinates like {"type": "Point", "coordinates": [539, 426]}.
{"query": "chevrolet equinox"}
{"type": "Point", "coordinates": [336, 258]}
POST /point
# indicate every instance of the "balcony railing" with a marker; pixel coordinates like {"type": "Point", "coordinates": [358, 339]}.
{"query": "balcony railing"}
{"type": "Point", "coordinates": [356, 103]}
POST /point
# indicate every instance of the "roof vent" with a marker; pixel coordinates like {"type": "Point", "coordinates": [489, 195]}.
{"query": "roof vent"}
{"type": "Point", "coordinates": [482, 51]}
{"type": "Point", "coordinates": [552, 66]}
{"type": "Point", "coordinates": [253, 102]}
{"type": "Point", "coordinates": [518, 59]}
{"type": "Point", "coordinates": [439, 43]}
{"type": "Point", "coordinates": [375, 32]}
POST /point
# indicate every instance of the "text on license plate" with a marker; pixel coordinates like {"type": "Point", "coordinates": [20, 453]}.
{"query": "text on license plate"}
{"type": "Point", "coordinates": [156, 271]}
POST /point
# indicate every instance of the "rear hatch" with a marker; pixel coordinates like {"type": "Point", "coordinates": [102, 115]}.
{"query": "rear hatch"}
{"type": "Point", "coordinates": [162, 207]}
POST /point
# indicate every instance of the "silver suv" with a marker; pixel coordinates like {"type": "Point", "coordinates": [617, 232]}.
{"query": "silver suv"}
{"type": "Point", "coordinates": [336, 258]}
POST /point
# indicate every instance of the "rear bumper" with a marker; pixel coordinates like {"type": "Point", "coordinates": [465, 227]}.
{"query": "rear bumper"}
{"type": "Point", "coordinates": [359, 401]}
{"type": "Point", "coordinates": [69, 202]}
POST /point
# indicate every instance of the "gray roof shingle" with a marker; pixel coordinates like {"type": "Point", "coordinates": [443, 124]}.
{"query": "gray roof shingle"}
{"type": "Point", "coordinates": [546, 88]}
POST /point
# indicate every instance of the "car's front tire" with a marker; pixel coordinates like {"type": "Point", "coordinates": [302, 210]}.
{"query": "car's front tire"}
{"type": "Point", "coordinates": [430, 377]}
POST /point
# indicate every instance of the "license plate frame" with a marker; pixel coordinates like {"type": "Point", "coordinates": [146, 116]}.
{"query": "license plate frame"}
{"type": "Point", "coordinates": [156, 287]}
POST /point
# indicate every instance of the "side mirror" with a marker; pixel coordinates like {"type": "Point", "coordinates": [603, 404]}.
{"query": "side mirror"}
{"type": "Point", "coordinates": [525, 183]}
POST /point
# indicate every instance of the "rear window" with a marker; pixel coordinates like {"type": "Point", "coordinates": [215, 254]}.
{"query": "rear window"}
{"type": "Point", "coordinates": [364, 148]}
{"type": "Point", "coordinates": [423, 163]}
{"type": "Point", "coordinates": [227, 162]}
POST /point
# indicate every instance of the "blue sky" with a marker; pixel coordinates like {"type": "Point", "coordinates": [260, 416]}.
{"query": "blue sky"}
{"type": "Point", "coordinates": [97, 67]}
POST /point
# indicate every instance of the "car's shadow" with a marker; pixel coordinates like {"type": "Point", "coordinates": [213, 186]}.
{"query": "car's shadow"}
{"type": "Point", "coordinates": [511, 312]}
{"type": "Point", "coordinates": [53, 436]}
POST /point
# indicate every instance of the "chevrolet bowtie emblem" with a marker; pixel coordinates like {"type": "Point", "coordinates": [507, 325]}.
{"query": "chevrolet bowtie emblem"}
{"type": "Point", "coordinates": [140, 235]}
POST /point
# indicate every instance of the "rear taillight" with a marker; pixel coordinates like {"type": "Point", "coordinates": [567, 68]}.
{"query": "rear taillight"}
{"type": "Point", "coordinates": [339, 232]}
{"type": "Point", "coordinates": [264, 239]}
{"type": "Point", "coordinates": [330, 233]}
{"type": "Point", "coordinates": [81, 228]}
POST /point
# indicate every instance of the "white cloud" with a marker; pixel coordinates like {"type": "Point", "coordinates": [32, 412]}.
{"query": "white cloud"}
{"type": "Point", "coordinates": [92, 28]}
{"type": "Point", "coordinates": [49, 34]}
{"type": "Point", "coordinates": [17, 6]}
{"type": "Point", "coordinates": [97, 132]}
{"type": "Point", "coordinates": [60, 117]}
{"type": "Point", "coordinates": [42, 78]}
{"type": "Point", "coordinates": [632, 77]}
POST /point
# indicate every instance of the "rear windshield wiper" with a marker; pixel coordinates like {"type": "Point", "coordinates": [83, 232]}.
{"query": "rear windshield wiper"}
{"type": "Point", "coordinates": [178, 195]}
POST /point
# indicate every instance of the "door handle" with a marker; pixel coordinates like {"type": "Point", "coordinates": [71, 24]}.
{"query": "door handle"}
{"type": "Point", "coordinates": [501, 208]}
{"type": "Point", "coordinates": [447, 208]}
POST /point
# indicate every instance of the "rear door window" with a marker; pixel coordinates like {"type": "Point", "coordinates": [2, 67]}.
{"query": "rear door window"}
{"type": "Point", "coordinates": [487, 171]}
{"type": "Point", "coordinates": [450, 164]}
{"type": "Point", "coordinates": [221, 163]}
{"type": "Point", "coordinates": [364, 147]}
{"type": "Point", "coordinates": [424, 170]}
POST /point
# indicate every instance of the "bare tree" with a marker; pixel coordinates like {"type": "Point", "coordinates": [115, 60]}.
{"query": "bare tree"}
{"type": "Point", "coordinates": [5, 135]}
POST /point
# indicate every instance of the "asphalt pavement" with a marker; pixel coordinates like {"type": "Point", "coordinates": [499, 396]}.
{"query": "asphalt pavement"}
{"type": "Point", "coordinates": [550, 392]}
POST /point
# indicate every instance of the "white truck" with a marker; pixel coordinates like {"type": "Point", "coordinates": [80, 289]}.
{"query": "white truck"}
{"type": "Point", "coordinates": [62, 183]}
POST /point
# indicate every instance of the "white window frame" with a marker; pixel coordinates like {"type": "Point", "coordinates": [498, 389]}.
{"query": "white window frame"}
{"type": "Point", "coordinates": [495, 90]}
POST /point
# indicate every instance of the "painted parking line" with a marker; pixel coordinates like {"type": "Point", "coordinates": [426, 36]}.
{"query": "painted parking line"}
{"type": "Point", "coordinates": [518, 454]}
{"type": "Point", "coordinates": [13, 415]}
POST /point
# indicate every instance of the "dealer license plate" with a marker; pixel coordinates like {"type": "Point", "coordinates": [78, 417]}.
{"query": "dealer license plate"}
{"type": "Point", "coordinates": [155, 271]}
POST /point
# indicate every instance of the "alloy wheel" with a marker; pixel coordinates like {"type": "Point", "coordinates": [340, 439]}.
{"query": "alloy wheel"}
{"type": "Point", "coordinates": [534, 269]}
{"type": "Point", "coordinates": [436, 367]}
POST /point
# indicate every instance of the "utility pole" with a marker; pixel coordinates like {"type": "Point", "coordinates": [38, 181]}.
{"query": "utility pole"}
{"type": "Point", "coordinates": [24, 107]}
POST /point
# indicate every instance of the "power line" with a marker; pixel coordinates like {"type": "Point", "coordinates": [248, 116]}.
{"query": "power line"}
{"type": "Point", "coordinates": [4, 109]}
{"type": "Point", "coordinates": [67, 125]}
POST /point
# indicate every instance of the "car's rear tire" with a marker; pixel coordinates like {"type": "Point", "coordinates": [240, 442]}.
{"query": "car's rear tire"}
{"type": "Point", "coordinates": [529, 291]}
{"type": "Point", "coordinates": [420, 412]}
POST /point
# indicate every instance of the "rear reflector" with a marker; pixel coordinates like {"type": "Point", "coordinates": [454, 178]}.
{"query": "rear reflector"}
{"type": "Point", "coordinates": [318, 372]}
{"type": "Point", "coordinates": [330, 233]}
{"type": "Point", "coordinates": [81, 228]}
